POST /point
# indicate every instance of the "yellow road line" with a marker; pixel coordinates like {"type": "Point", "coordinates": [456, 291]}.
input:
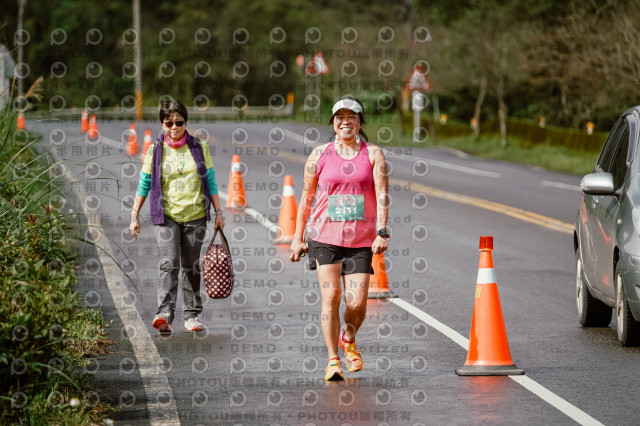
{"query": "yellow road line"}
{"type": "Point", "coordinates": [520, 214]}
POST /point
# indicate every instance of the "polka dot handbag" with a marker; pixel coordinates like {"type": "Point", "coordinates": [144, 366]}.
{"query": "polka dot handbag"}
{"type": "Point", "coordinates": [217, 268]}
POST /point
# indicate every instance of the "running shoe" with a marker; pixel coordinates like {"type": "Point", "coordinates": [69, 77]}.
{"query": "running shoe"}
{"type": "Point", "coordinates": [353, 359]}
{"type": "Point", "coordinates": [192, 324]}
{"type": "Point", "coordinates": [333, 372]}
{"type": "Point", "coordinates": [161, 324]}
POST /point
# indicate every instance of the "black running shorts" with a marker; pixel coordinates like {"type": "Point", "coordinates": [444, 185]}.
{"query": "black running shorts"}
{"type": "Point", "coordinates": [354, 260]}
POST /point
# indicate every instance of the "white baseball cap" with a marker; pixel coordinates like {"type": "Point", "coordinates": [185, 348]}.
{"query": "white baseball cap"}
{"type": "Point", "coordinates": [349, 104]}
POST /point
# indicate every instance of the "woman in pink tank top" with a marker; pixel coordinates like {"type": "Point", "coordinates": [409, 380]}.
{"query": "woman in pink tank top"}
{"type": "Point", "coordinates": [348, 179]}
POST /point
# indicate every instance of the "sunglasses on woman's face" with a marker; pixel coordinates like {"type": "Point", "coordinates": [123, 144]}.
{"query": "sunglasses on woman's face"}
{"type": "Point", "coordinates": [170, 124]}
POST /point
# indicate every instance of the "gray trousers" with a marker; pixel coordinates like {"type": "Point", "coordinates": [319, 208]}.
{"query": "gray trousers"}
{"type": "Point", "coordinates": [180, 244]}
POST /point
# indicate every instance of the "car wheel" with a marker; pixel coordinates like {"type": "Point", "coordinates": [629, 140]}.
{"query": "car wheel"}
{"type": "Point", "coordinates": [591, 311]}
{"type": "Point", "coordinates": [628, 328]}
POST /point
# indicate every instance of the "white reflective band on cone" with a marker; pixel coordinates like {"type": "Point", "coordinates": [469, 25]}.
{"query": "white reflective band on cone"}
{"type": "Point", "coordinates": [235, 167]}
{"type": "Point", "coordinates": [288, 190]}
{"type": "Point", "coordinates": [486, 276]}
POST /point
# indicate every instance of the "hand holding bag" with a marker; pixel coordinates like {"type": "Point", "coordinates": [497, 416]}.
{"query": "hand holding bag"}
{"type": "Point", "coordinates": [217, 268]}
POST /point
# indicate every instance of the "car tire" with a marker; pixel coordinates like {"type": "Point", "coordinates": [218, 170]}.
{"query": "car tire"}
{"type": "Point", "coordinates": [627, 327]}
{"type": "Point", "coordinates": [591, 311]}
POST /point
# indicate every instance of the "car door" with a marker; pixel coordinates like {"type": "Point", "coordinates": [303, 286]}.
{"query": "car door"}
{"type": "Point", "coordinates": [601, 211]}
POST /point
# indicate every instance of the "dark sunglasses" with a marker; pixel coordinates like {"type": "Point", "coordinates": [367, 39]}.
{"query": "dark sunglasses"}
{"type": "Point", "coordinates": [170, 124]}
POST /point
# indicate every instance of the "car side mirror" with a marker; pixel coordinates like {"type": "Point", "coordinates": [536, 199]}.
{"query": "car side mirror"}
{"type": "Point", "coordinates": [597, 184]}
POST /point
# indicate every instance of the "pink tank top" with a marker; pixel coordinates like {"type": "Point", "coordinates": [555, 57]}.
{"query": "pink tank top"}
{"type": "Point", "coordinates": [344, 212]}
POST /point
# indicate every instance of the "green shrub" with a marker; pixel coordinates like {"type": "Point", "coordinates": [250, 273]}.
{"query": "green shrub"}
{"type": "Point", "coordinates": [45, 331]}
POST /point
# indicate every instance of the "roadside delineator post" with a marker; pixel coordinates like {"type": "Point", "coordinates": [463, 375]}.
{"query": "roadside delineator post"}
{"type": "Point", "coordinates": [488, 353]}
{"type": "Point", "coordinates": [379, 283]}
{"type": "Point", "coordinates": [236, 199]}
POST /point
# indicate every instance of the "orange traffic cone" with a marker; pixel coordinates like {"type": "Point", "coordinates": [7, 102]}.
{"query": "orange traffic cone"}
{"type": "Point", "coordinates": [379, 283]}
{"type": "Point", "coordinates": [132, 143]}
{"type": "Point", "coordinates": [236, 199]}
{"type": "Point", "coordinates": [288, 212]}
{"type": "Point", "coordinates": [93, 128]}
{"type": "Point", "coordinates": [84, 121]}
{"type": "Point", "coordinates": [20, 121]}
{"type": "Point", "coordinates": [488, 353]}
{"type": "Point", "coordinates": [147, 143]}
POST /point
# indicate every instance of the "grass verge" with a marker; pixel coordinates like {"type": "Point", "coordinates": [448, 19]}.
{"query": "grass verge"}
{"type": "Point", "coordinates": [550, 157]}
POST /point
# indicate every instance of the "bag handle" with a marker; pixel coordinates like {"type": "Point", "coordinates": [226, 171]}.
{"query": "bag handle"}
{"type": "Point", "coordinates": [225, 244]}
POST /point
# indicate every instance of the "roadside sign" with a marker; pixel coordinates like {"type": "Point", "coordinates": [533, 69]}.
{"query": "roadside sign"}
{"type": "Point", "coordinates": [417, 83]}
{"type": "Point", "coordinates": [417, 80]}
{"type": "Point", "coordinates": [317, 65]}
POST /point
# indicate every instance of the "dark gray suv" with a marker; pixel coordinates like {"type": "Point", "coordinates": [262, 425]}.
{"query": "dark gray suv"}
{"type": "Point", "coordinates": [607, 234]}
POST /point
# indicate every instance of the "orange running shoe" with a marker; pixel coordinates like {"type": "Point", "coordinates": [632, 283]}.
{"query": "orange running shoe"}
{"type": "Point", "coordinates": [353, 359]}
{"type": "Point", "coordinates": [333, 371]}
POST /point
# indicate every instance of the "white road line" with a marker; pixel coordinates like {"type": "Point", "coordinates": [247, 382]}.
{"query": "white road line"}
{"type": "Point", "coordinates": [293, 135]}
{"type": "Point", "coordinates": [390, 154]}
{"type": "Point", "coordinates": [463, 169]}
{"type": "Point", "coordinates": [560, 185]}
{"type": "Point", "coordinates": [259, 217]}
{"type": "Point", "coordinates": [531, 385]}
{"type": "Point", "coordinates": [449, 332]}
{"type": "Point", "coordinates": [160, 401]}
{"type": "Point", "coordinates": [569, 409]}
{"type": "Point", "coordinates": [110, 142]}
{"type": "Point", "coordinates": [156, 384]}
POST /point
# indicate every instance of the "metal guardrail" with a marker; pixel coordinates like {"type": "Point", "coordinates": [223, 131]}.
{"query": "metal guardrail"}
{"type": "Point", "coordinates": [151, 113]}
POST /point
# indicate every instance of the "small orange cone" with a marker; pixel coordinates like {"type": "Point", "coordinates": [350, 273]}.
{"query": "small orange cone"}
{"type": "Point", "coordinates": [379, 283]}
{"type": "Point", "coordinates": [288, 212]}
{"type": "Point", "coordinates": [84, 121]}
{"type": "Point", "coordinates": [236, 199]}
{"type": "Point", "coordinates": [147, 143]}
{"type": "Point", "coordinates": [488, 353]}
{"type": "Point", "coordinates": [132, 143]}
{"type": "Point", "coordinates": [20, 121]}
{"type": "Point", "coordinates": [93, 128]}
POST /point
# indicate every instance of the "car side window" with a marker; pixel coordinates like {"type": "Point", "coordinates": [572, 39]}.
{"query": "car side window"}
{"type": "Point", "coordinates": [618, 167]}
{"type": "Point", "coordinates": [604, 160]}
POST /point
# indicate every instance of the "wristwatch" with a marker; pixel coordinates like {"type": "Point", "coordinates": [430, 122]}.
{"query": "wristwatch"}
{"type": "Point", "coordinates": [383, 233]}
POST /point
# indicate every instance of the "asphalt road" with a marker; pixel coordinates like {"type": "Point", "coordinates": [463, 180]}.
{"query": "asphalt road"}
{"type": "Point", "coordinates": [262, 359]}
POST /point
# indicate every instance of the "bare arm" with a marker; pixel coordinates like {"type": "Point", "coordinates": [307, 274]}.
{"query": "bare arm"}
{"type": "Point", "coordinates": [134, 226]}
{"type": "Point", "coordinates": [219, 219]}
{"type": "Point", "coordinates": [381, 184]}
{"type": "Point", "coordinates": [298, 247]}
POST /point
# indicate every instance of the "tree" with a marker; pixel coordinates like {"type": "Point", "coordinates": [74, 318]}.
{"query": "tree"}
{"type": "Point", "coordinates": [590, 60]}
{"type": "Point", "coordinates": [485, 55]}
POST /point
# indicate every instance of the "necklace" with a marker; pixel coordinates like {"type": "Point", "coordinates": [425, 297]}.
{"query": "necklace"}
{"type": "Point", "coordinates": [346, 150]}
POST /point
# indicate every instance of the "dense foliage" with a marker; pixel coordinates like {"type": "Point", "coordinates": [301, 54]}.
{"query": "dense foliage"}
{"type": "Point", "coordinates": [572, 62]}
{"type": "Point", "coordinates": [45, 332]}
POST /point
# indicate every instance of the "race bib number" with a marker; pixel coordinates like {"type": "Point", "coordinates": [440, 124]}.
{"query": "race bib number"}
{"type": "Point", "coordinates": [346, 207]}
